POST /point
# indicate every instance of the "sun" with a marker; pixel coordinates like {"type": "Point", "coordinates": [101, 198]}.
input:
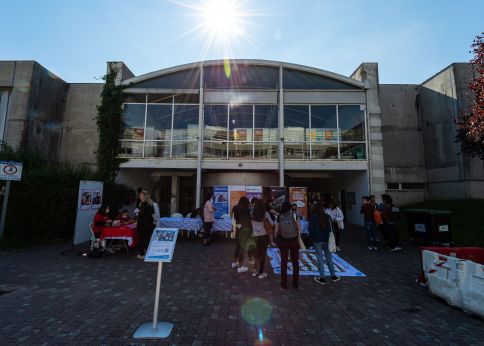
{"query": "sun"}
{"type": "Point", "coordinates": [223, 20]}
{"type": "Point", "coordinates": [223, 27]}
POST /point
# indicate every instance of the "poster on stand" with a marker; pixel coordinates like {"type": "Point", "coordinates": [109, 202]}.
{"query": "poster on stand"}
{"type": "Point", "coordinates": [253, 192]}
{"type": "Point", "coordinates": [236, 192]}
{"type": "Point", "coordinates": [278, 195]}
{"type": "Point", "coordinates": [97, 198]}
{"type": "Point", "coordinates": [221, 200]}
{"type": "Point", "coordinates": [298, 195]}
{"type": "Point", "coordinates": [162, 245]}
{"type": "Point", "coordinates": [86, 199]}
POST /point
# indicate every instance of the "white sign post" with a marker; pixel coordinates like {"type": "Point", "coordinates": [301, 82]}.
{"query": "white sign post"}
{"type": "Point", "coordinates": [161, 248]}
{"type": "Point", "coordinates": [9, 171]}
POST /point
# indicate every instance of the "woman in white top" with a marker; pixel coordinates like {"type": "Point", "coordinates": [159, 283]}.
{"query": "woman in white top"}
{"type": "Point", "coordinates": [260, 234]}
{"type": "Point", "coordinates": [337, 223]}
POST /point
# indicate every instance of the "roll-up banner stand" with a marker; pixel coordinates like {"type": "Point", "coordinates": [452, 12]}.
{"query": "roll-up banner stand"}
{"type": "Point", "coordinates": [88, 202]}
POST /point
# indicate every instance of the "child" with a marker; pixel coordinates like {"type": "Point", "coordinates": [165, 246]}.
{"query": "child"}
{"type": "Point", "coordinates": [124, 218]}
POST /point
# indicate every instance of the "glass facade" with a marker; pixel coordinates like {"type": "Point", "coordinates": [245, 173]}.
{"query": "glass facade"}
{"type": "Point", "coordinates": [164, 125]}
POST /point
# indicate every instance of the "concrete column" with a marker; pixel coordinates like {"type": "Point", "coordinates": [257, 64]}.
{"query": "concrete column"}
{"type": "Point", "coordinates": [198, 187]}
{"type": "Point", "coordinates": [3, 112]}
{"type": "Point", "coordinates": [175, 194]}
{"type": "Point", "coordinates": [368, 72]}
{"type": "Point", "coordinates": [281, 129]}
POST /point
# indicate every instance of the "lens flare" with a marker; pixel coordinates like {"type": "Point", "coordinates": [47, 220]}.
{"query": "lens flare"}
{"type": "Point", "coordinates": [256, 311]}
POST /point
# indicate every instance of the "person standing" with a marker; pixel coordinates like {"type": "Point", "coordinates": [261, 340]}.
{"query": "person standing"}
{"type": "Point", "coordinates": [287, 230]}
{"type": "Point", "coordinates": [368, 211]}
{"type": "Point", "coordinates": [244, 231]}
{"type": "Point", "coordinates": [319, 230]}
{"type": "Point", "coordinates": [261, 237]}
{"type": "Point", "coordinates": [389, 225]}
{"type": "Point", "coordinates": [144, 225]}
{"type": "Point", "coordinates": [271, 217]}
{"type": "Point", "coordinates": [208, 219]}
{"type": "Point", "coordinates": [337, 223]}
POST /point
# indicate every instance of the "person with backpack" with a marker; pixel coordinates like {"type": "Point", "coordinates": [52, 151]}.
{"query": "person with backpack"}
{"type": "Point", "coordinates": [319, 230]}
{"type": "Point", "coordinates": [390, 216]}
{"type": "Point", "coordinates": [287, 231]}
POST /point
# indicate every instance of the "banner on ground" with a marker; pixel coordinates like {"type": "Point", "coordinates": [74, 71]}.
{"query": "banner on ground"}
{"type": "Point", "coordinates": [308, 264]}
{"type": "Point", "coordinates": [236, 192]}
{"type": "Point", "coordinates": [221, 200]}
{"type": "Point", "coordinates": [298, 195]}
{"type": "Point", "coordinates": [253, 192]}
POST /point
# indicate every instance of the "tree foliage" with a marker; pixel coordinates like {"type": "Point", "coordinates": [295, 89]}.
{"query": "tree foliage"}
{"type": "Point", "coordinates": [110, 127]}
{"type": "Point", "coordinates": [471, 125]}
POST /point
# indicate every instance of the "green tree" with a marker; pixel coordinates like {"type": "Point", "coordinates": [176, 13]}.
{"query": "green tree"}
{"type": "Point", "coordinates": [110, 127]}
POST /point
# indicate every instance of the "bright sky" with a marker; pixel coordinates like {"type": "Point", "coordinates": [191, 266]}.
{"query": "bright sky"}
{"type": "Point", "coordinates": [410, 39]}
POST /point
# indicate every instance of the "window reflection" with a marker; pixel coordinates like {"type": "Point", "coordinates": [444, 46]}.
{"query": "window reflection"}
{"type": "Point", "coordinates": [240, 123]}
{"type": "Point", "coordinates": [265, 123]}
{"type": "Point", "coordinates": [185, 122]}
{"type": "Point", "coordinates": [351, 122]}
{"type": "Point", "coordinates": [296, 122]}
{"type": "Point", "coordinates": [133, 121]}
{"type": "Point", "coordinates": [353, 151]}
{"type": "Point", "coordinates": [215, 122]}
{"type": "Point", "coordinates": [158, 122]}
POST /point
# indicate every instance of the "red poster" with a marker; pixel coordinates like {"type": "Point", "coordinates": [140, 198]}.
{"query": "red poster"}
{"type": "Point", "coordinates": [298, 195]}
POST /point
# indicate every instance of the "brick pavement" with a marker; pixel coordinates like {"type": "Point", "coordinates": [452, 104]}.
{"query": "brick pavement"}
{"type": "Point", "coordinates": [57, 299]}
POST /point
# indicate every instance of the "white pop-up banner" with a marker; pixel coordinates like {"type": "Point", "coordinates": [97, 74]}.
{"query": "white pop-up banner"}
{"type": "Point", "coordinates": [88, 202]}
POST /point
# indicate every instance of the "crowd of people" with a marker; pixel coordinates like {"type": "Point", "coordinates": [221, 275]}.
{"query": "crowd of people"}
{"type": "Point", "coordinates": [259, 225]}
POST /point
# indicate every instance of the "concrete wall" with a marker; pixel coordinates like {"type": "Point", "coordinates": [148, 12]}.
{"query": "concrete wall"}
{"type": "Point", "coordinates": [35, 106]}
{"type": "Point", "coordinates": [439, 108]}
{"type": "Point", "coordinates": [79, 135]}
{"type": "Point", "coordinates": [403, 147]}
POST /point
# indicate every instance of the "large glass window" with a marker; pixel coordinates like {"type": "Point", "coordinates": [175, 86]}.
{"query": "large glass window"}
{"type": "Point", "coordinates": [171, 130]}
{"type": "Point", "coordinates": [324, 132]}
{"type": "Point", "coordinates": [241, 120]}
{"type": "Point", "coordinates": [158, 122]}
{"type": "Point", "coordinates": [295, 79]}
{"type": "Point", "coordinates": [185, 79]}
{"type": "Point", "coordinates": [351, 123]}
{"type": "Point", "coordinates": [134, 121]}
{"type": "Point", "coordinates": [240, 76]}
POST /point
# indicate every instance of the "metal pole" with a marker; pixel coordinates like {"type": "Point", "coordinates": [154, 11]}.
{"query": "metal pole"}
{"type": "Point", "coordinates": [4, 208]}
{"type": "Point", "coordinates": [281, 129]}
{"type": "Point", "coordinates": [157, 295]}
{"type": "Point", "coordinates": [200, 142]}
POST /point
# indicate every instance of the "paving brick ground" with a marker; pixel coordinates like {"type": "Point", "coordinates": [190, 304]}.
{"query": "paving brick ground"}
{"type": "Point", "coordinates": [56, 299]}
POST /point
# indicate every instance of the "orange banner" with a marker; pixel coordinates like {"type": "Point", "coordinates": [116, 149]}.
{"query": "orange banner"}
{"type": "Point", "coordinates": [298, 195]}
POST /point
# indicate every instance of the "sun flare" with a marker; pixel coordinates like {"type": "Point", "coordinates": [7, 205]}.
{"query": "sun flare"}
{"type": "Point", "coordinates": [222, 26]}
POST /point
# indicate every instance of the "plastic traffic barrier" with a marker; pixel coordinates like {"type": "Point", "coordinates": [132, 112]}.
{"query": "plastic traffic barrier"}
{"type": "Point", "coordinates": [473, 289]}
{"type": "Point", "coordinates": [460, 282]}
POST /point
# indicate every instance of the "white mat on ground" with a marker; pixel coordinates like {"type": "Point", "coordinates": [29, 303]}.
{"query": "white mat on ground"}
{"type": "Point", "coordinates": [308, 264]}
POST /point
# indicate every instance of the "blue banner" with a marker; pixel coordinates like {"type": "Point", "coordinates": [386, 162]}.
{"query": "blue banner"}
{"type": "Point", "coordinates": [221, 200]}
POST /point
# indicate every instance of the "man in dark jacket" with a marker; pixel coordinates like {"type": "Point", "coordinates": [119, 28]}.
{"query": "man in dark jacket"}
{"type": "Point", "coordinates": [368, 211]}
{"type": "Point", "coordinates": [319, 230]}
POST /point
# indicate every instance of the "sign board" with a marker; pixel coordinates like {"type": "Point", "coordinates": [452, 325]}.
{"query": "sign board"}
{"type": "Point", "coordinates": [420, 227]}
{"type": "Point", "coordinates": [88, 202]}
{"type": "Point", "coordinates": [221, 200]}
{"type": "Point", "coordinates": [10, 170]}
{"type": "Point", "coordinates": [162, 245]}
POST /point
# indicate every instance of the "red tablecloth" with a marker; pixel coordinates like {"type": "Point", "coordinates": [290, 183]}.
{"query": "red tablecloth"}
{"type": "Point", "coordinates": [124, 233]}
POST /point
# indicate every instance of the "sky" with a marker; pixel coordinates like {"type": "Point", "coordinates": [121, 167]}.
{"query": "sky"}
{"type": "Point", "coordinates": [411, 40]}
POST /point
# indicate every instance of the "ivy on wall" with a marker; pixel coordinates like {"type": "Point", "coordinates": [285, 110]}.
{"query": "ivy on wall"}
{"type": "Point", "coordinates": [110, 127]}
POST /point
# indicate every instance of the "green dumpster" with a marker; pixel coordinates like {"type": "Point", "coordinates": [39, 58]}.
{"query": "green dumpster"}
{"type": "Point", "coordinates": [429, 226]}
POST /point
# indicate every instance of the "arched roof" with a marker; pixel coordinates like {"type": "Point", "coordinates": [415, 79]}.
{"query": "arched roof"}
{"type": "Point", "coordinates": [254, 62]}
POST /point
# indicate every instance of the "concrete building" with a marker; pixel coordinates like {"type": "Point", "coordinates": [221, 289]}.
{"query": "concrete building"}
{"type": "Point", "coordinates": [256, 122]}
